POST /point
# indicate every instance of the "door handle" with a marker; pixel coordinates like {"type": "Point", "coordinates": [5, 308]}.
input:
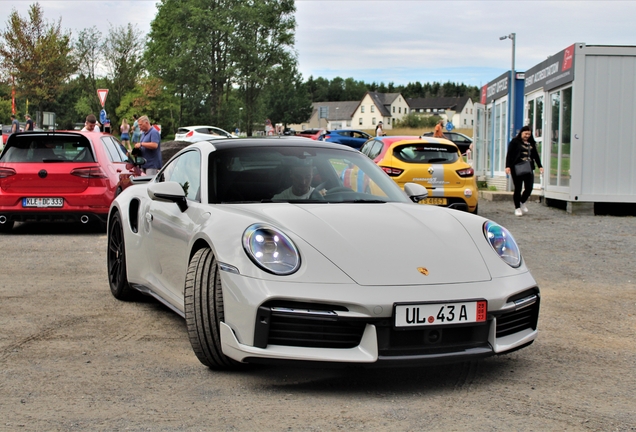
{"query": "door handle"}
{"type": "Point", "coordinates": [148, 217]}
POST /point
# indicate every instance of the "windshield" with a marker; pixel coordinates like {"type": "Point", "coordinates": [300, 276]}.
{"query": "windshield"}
{"type": "Point", "coordinates": [298, 174]}
{"type": "Point", "coordinates": [426, 153]}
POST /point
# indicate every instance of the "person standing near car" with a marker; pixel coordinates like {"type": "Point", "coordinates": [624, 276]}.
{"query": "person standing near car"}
{"type": "Point", "coordinates": [379, 130]}
{"type": "Point", "coordinates": [439, 131]}
{"type": "Point", "coordinates": [150, 146]}
{"type": "Point", "coordinates": [522, 149]}
{"type": "Point", "coordinates": [124, 129]}
{"type": "Point", "coordinates": [28, 127]}
{"type": "Point", "coordinates": [136, 132]}
{"type": "Point", "coordinates": [90, 125]}
{"type": "Point", "coordinates": [15, 124]}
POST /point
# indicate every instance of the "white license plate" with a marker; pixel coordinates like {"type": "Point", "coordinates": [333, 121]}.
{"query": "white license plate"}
{"type": "Point", "coordinates": [42, 202]}
{"type": "Point", "coordinates": [429, 314]}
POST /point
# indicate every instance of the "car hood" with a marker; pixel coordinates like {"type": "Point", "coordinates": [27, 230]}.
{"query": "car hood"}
{"type": "Point", "coordinates": [395, 244]}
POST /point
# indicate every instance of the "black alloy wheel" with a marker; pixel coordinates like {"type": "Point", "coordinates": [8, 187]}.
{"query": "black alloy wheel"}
{"type": "Point", "coordinates": [116, 260]}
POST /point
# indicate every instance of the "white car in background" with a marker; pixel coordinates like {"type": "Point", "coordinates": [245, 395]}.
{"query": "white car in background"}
{"type": "Point", "coordinates": [201, 133]}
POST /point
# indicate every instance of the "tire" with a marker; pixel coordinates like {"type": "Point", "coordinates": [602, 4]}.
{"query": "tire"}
{"type": "Point", "coordinates": [6, 227]}
{"type": "Point", "coordinates": [116, 261]}
{"type": "Point", "coordinates": [203, 298]}
{"type": "Point", "coordinates": [476, 211]}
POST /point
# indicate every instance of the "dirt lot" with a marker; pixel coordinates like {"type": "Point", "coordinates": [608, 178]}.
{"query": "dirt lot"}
{"type": "Point", "coordinates": [74, 358]}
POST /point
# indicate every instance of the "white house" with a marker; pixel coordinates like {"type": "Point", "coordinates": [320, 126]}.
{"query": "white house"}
{"type": "Point", "coordinates": [375, 107]}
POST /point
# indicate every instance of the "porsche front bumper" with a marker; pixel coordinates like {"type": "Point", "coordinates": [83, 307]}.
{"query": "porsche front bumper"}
{"type": "Point", "coordinates": [270, 322]}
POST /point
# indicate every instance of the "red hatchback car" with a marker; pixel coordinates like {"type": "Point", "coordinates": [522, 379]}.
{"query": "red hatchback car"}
{"type": "Point", "coordinates": [61, 176]}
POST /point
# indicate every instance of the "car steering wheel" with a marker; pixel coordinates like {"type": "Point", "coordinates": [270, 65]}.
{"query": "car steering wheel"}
{"type": "Point", "coordinates": [315, 194]}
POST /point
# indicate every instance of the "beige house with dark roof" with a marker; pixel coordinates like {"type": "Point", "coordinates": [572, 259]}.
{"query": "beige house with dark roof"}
{"type": "Point", "coordinates": [366, 114]}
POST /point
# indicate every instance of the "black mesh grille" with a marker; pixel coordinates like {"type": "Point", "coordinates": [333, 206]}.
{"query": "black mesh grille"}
{"type": "Point", "coordinates": [314, 332]}
{"type": "Point", "coordinates": [513, 322]}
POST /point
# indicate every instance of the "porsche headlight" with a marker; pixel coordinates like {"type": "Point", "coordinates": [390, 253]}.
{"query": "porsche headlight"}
{"type": "Point", "coordinates": [271, 250]}
{"type": "Point", "coordinates": [503, 243]}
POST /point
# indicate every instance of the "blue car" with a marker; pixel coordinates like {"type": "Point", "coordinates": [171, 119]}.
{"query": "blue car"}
{"type": "Point", "coordinates": [348, 137]}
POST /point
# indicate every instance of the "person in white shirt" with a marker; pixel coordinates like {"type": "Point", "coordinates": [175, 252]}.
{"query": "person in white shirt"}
{"type": "Point", "coordinates": [90, 125]}
{"type": "Point", "coordinates": [300, 189]}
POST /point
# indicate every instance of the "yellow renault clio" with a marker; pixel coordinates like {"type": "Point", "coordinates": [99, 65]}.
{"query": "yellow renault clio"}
{"type": "Point", "coordinates": [431, 162]}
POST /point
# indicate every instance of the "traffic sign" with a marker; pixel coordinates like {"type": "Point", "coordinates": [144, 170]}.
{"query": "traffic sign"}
{"type": "Point", "coordinates": [449, 126]}
{"type": "Point", "coordinates": [102, 93]}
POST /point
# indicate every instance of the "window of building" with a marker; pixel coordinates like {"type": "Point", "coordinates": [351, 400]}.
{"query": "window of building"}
{"type": "Point", "coordinates": [393, 110]}
{"type": "Point", "coordinates": [373, 121]}
{"type": "Point", "coordinates": [348, 123]}
{"type": "Point", "coordinates": [399, 110]}
{"type": "Point", "coordinates": [372, 108]}
{"type": "Point", "coordinates": [361, 108]}
{"type": "Point", "coordinates": [360, 121]}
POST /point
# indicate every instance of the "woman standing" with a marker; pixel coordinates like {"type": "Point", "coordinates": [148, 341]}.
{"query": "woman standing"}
{"type": "Point", "coordinates": [124, 129]}
{"type": "Point", "coordinates": [136, 132]}
{"type": "Point", "coordinates": [520, 160]}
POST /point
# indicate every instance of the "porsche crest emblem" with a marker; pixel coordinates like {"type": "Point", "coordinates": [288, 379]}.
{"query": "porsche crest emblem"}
{"type": "Point", "coordinates": [423, 270]}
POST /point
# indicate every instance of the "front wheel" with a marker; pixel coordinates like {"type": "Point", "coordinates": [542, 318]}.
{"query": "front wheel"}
{"type": "Point", "coordinates": [203, 298]}
{"type": "Point", "coordinates": [116, 260]}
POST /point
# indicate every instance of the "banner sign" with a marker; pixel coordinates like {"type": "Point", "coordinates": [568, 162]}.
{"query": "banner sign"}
{"type": "Point", "coordinates": [553, 72]}
{"type": "Point", "coordinates": [495, 89]}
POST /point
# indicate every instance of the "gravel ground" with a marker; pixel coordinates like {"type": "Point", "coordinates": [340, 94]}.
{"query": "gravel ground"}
{"type": "Point", "coordinates": [74, 358]}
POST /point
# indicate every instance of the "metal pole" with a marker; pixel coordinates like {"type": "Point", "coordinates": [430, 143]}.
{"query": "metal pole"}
{"type": "Point", "coordinates": [513, 80]}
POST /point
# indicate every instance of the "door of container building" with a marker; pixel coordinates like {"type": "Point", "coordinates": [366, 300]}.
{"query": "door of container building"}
{"type": "Point", "coordinates": [557, 161]}
{"type": "Point", "coordinates": [480, 140]}
{"type": "Point", "coordinates": [534, 117]}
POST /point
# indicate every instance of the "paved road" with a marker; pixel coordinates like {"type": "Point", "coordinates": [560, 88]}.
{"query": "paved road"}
{"type": "Point", "coordinates": [74, 358]}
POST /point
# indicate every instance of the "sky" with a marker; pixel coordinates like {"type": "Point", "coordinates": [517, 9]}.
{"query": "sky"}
{"type": "Point", "coordinates": [402, 41]}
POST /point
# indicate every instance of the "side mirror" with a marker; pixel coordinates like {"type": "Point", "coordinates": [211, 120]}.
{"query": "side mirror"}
{"type": "Point", "coordinates": [416, 192]}
{"type": "Point", "coordinates": [136, 160]}
{"type": "Point", "coordinates": [168, 192]}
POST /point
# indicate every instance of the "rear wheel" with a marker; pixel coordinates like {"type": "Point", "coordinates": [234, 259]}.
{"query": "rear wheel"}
{"type": "Point", "coordinates": [204, 310]}
{"type": "Point", "coordinates": [116, 260]}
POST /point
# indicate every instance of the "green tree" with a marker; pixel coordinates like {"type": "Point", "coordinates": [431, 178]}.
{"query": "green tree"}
{"type": "Point", "coordinates": [37, 54]}
{"type": "Point", "coordinates": [121, 51]}
{"type": "Point", "coordinates": [262, 43]}
{"type": "Point", "coordinates": [151, 97]}
{"type": "Point", "coordinates": [188, 47]}
{"type": "Point", "coordinates": [288, 100]}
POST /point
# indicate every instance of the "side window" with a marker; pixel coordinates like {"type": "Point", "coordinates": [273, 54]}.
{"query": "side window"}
{"type": "Point", "coordinates": [111, 151]}
{"type": "Point", "coordinates": [121, 151]}
{"type": "Point", "coordinates": [366, 147]}
{"type": "Point", "coordinates": [376, 150]}
{"type": "Point", "coordinates": [185, 170]}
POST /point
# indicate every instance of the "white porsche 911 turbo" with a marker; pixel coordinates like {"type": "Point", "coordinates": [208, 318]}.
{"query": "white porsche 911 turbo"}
{"type": "Point", "coordinates": [278, 249]}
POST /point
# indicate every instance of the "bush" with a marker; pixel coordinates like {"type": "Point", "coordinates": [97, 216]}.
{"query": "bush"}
{"type": "Point", "coordinates": [418, 121]}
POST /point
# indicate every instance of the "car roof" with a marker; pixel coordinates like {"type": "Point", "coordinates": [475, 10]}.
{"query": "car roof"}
{"type": "Point", "coordinates": [270, 141]}
{"type": "Point", "coordinates": [390, 140]}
